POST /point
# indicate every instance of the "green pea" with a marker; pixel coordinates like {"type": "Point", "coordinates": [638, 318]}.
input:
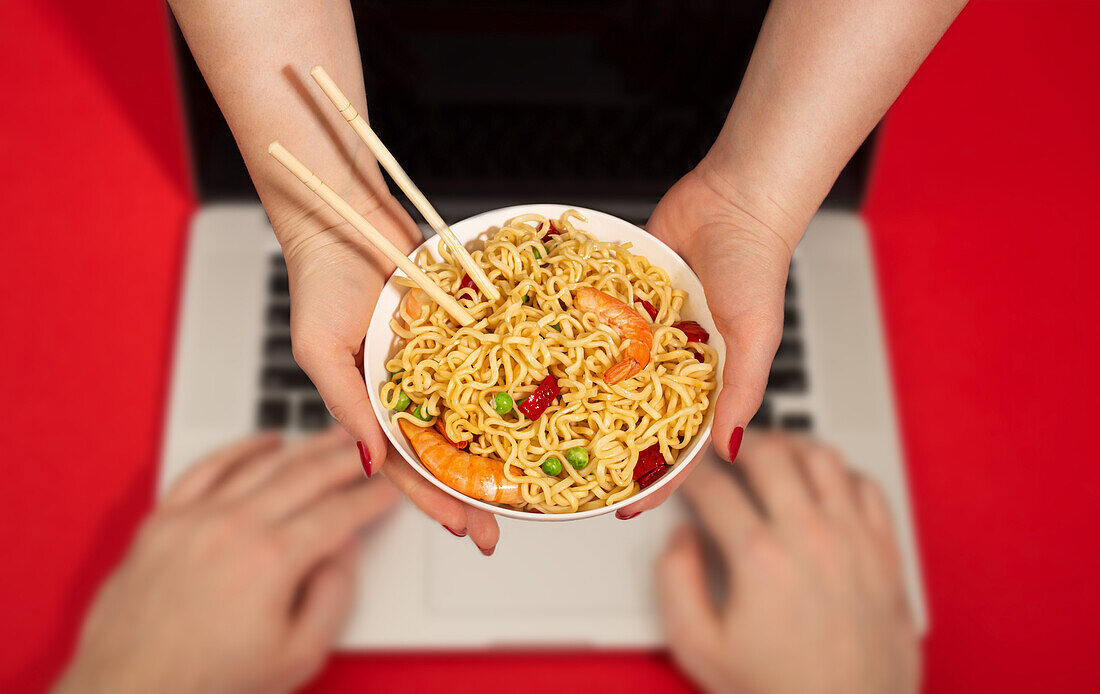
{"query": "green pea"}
{"type": "Point", "coordinates": [552, 466]}
{"type": "Point", "coordinates": [577, 456]}
{"type": "Point", "coordinates": [526, 298]}
{"type": "Point", "coordinates": [403, 401]}
{"type": "Point", "coordinates": [395, 373]}
{"type": "Point", "coordinates": [502, 403]}
{"type": "Point", "coordinates": [420, 414]}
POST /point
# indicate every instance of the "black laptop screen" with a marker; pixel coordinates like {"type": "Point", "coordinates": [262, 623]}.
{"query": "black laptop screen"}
{"type": "Point", "coordinates": [521, 99]}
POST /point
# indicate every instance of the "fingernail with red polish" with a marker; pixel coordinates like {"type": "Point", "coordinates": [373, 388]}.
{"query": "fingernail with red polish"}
{"type": "Point", "coordinates": [455, 533]}
{"type": "Point", "coordinates": [735, 442]}
{"type": "Point", "coordinates": [364, 455]}
{"type": "Point", "coordinates": [625, 516]}
{"type": "Point", "coordinates": [488, 552]}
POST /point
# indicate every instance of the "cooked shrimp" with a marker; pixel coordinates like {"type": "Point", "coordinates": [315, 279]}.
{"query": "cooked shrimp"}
{"type": "Point", "coordinates": [415, 299]}
{"type": "Point", "coordinates": [628, 323]}
{"type": "Point", "coordinates": [473, 475]}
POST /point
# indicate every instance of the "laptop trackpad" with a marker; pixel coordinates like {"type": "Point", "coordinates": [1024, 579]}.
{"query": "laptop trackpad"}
{"type": "Point", "coordinates": [550, 572]}
{"type": "Point", "coordinates": [572, 584]}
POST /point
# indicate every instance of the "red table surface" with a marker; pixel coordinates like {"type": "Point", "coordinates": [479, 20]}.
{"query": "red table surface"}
{"type": "Point", "coordinates": [981, 212]}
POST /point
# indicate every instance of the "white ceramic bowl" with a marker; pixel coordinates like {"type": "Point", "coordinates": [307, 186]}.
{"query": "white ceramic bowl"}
{"type": "Point", "coordinates": [381, 342]}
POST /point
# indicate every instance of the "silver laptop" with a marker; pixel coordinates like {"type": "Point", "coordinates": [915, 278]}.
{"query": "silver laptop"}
{"type": "Point", "coordinates": [234, 373]}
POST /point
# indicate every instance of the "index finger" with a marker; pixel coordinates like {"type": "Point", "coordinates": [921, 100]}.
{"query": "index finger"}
{"type": "Point", "coordinates": [333, 370]}
{"type": "Point", "coordinates": [323, 527]}
{"type": "Point", "coordinates": [204, 475]}
{"type": "Point", "coordinates": [774, 472]}
{"type": "Point", "coordinates": [723, 507]}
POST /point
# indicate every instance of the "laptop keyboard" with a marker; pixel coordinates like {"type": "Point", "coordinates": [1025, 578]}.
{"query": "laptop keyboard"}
{"type": "Point", "coordinates": [288, 400]}
{"type": "Point", "coordinates": [784, 404]}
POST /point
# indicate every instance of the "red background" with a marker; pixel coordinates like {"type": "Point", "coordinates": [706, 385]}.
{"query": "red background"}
{"type": "Point", "coordinates": [981, 211]}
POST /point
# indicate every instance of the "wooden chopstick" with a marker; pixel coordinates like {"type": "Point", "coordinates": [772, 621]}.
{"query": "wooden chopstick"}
{"type": "Point", "coordinates": [337, 203]}
{"type": "Point", "coordinates": [389, 163]}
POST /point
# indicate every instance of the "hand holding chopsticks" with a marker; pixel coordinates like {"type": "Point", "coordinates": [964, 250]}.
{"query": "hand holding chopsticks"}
{"type": "Point", "coordinates": [390, 164]}
{"type": "Point", "coordinates": [341, 206]}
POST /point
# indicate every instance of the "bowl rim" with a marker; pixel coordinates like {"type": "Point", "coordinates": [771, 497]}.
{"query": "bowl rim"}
{"type": "Point", "coordinates": [481, 221]}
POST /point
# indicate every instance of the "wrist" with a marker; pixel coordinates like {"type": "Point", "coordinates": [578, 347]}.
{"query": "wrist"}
{"type": "Point", "coordinates": [703, 212]}
{"type": "Point", "coordinates": [303, 227]}
{"type": "Point", "coordinates": [296, 212]}
{"type": "Point", "coordinates": [298, 215]}
{"type": "Point", "coordinates": [757, 207]}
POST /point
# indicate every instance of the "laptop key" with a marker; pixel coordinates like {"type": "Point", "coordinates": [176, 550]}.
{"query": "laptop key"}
{"type": "Point", "coordinates": [312, 415]}
{"type": "Point", "coordinates": [285, 378]}
{"type": "Point", "coordinates": [278, 347]}
{"type": "Point", "coordinates": [785, 380]}
{"type": "Point", "coordinates": [279, 285]}
{"type": "Point", "coordinates": [791, 319]}
{"type": "Point", "coordinates": [763, 417]}
{"type": "Point", "coordinates": [796, 421]}
{"type": "Point", "coordinates": [273, 414]}
{"type": "Point", "coordinates": [789, 349]}
{"type": "Point", "coordinates": [278, 316]}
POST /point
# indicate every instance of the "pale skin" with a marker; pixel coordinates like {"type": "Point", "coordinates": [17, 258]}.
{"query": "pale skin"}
{"type": "Point", "coordinates": [240, 580]}
{"type": "Point", "coordinates": [822, 74]}
{"type": "Point", "coordinates": [815, 603]}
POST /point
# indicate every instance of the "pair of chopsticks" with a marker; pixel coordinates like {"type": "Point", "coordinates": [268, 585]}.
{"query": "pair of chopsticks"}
{"type": "Point", "coordinates": [389, 163]}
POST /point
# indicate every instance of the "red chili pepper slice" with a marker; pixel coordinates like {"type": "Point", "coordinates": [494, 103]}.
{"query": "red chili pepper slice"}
{"type": "Point", "coordinates": [649, 461]}
{"type": "Point", "coordinates": [552, 231]}
{"type": "Point", "coordinates": [439, 427]}
{"type": "Point", "coordinates": [537, 402]}
{"type": "Point", "coordinates": [694, 331]}
{"type": "Point", "coordinates": [468, 283]}
{"type": "Point", "coordinates": [652, 477]}
{"type": "Point", "coordinates": [648, 308]}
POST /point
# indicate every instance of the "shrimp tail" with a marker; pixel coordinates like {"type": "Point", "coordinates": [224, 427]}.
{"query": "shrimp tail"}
{"type": "Point", "coordinates": [415, 300]}
{"type": "Point", "coordinates": [627, 323]}
{"type": "Point", "coordinates": [621, 371]}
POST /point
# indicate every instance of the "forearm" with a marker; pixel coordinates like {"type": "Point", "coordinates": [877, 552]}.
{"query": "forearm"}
{"type": "Point", "coordinates": [821, 76]}
{"type": "Point", "coordinates": [256, 58]}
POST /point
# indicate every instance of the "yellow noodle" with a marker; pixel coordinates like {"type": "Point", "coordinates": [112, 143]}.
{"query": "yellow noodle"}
{"type": "Point", "coordinates": [455, 372]}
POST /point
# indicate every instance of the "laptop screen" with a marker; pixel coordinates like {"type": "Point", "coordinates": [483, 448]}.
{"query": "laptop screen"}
{"type": "Point", "coordinates": [522, 100]}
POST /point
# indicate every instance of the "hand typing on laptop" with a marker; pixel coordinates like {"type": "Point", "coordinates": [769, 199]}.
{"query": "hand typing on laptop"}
{"type": "Point", "coordinates": [240, 580]}
{"type": "Point", "coordinates": [815, 600]}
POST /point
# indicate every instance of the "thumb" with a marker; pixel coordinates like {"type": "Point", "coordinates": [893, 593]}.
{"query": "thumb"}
{"type": "Point", "coordinates": [751, 342]}
{"type": "Point", "coordinates": [690, 620]}
{"type": "Point", "coordinates": [333, 370]}
{"type": "Point", "coordinates": [325, 601]}
{"type": "Point", "coordinates": [744, 281]}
